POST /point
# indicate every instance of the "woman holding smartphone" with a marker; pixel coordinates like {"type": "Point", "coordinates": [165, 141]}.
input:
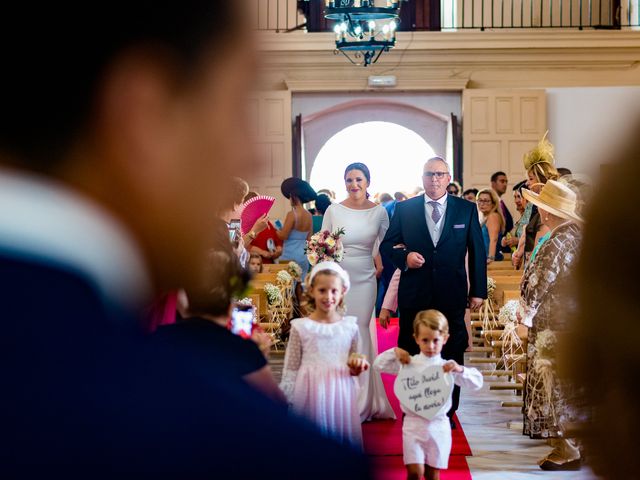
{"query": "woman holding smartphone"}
{"type": "Point", "coordinates": [210, 315]}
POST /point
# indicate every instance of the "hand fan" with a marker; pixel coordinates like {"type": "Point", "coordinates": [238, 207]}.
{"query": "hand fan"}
{"type": "Point", "coordinates": [252, 210]}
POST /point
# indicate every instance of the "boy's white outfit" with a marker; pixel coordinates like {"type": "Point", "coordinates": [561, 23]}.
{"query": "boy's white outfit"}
{"type": "Point", "coordinates": [427, 442]}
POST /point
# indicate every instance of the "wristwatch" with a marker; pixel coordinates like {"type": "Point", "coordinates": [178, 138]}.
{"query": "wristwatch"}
{"type": "Point", "coordinates": [252, 235]}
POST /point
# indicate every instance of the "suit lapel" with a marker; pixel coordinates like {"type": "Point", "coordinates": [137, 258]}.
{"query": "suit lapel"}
{"type": "Point", "coordinates": [448, 219]}
{"type": "Point", "coordinates": [420, 215]}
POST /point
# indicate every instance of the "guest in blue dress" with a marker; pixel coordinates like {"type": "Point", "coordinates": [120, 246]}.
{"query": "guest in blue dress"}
{"type": "Point", "coordinates": [492, 222]}
{"type": "Point", "coordinates": [298, 224]}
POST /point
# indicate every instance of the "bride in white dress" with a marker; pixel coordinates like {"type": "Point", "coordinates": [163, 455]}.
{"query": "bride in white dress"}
{"type": "Point", "coordinates": [365, 224]}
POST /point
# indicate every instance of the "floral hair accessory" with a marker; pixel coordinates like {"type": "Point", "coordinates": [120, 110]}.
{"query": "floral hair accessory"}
{"type": "Point", "coordinates": [334, 267]}
{"type": "Point", "coordinates": [542, 153]}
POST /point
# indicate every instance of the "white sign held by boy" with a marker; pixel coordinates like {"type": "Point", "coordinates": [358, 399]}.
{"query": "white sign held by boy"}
{"type": "Point", "coordinates": [423, 391]}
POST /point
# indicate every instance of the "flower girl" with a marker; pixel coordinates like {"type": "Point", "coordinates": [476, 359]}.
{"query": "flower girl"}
{"type": "Point", "coordinates": [321, 358]}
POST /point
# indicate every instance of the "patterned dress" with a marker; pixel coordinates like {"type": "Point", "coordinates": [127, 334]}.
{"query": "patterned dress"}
{"type": "Point", "coordinates": [547, 305]}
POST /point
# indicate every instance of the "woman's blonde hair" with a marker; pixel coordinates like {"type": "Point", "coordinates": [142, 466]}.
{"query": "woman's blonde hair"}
{"type": "Point", "coordinates": [309, 303]}
{"type": "Point", "coordinates": [496, 205]}
{"type": "Point", "coordinates": [543, 172]}
{"type": "Point", "coordinates": [432, 319]}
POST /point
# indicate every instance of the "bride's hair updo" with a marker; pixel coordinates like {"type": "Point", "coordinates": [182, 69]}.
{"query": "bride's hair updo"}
{"type": "Point", "coordinates": [363, 168]}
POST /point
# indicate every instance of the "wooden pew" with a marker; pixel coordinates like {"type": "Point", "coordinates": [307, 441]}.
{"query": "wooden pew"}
{"type": "Point", "coordinates": [274, 267]}
{"type": "Point", "coordinates": [500, 266]}
{"type": "Point", "coordinates": [266, 277]}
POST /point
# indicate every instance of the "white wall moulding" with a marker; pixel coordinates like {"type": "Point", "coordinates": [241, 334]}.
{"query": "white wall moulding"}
{"type": "Point", "coordinates": [436, 83]}
{"type": "Point", "coordinates": [463, 59]}
{"type": "Point", "coordinates": [465, 39]}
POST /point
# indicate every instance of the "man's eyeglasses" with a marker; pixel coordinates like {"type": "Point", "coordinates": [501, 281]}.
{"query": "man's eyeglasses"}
{"type": "Point", "coordinates": [435, 174]}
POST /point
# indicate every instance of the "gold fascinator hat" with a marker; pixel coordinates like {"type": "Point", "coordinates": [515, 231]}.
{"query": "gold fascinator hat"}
{"type": "Point", "coordinates": [557, 199]}
{"type": "Point", "coordinates": [542, 153]}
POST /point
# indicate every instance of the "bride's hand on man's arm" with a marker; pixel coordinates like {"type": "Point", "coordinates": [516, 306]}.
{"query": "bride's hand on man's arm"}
{"type": "Point", "coordinates": [415, 260]}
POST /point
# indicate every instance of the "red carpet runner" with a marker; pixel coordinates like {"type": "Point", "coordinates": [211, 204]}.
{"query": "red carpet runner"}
{"type": "Point", "coordinates": [383, 438]}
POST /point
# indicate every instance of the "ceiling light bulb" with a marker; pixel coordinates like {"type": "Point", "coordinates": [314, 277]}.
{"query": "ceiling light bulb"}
{"type": "Point", "coordinates": [337, 29]}
{"type": "Point", "coordinates": [385, 29]}
{"type": "Point", "coordinates": [372, 25]}
{"type": "Point", "coordinates": [392, 25]}
{"type": "Point", "coordinates": [357, 30]}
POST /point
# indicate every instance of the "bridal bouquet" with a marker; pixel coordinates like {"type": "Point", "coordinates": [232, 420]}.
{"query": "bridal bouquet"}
{"type": "Point", "coordinates": [325, 246]}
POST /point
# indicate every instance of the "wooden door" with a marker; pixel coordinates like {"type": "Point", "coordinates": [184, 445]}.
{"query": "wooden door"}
{"type": "Point", "coordinates": [498, 128]}
{"type": "Point", "coordinates": [271, 130]}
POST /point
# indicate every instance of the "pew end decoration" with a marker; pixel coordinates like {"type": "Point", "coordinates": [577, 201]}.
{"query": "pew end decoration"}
{"type": "Point", "coordinates": [325, 246]}
{"type": "Point", "coordinates": [512, 344]}
{"type": "Point", "coordinates": [275, 313]}
{"type": "Point", "coordinates": [294, 270]}
{"type": "Point", "coordinates": [487, 314]}
{"type": "Point", "coordinates": [279, 306]}
{"type": "Point", "coordinates": [541, 381]}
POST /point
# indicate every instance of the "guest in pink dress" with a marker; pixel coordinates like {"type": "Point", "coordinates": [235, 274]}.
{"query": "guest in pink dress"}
{"type": "Point", "coordinates": [321, 359]}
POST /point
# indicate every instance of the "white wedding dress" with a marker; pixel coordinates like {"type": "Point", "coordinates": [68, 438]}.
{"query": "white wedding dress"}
{"type": "Point", "coordinates": [364, 230]}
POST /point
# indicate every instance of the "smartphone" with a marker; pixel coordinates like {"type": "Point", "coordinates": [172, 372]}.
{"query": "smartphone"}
{"type": "Point", "coordinates": [234, 232]}
{"type": "Point", "coordinates": [242, 320]}
{"type": "Point", "coordinates": [278, 224]}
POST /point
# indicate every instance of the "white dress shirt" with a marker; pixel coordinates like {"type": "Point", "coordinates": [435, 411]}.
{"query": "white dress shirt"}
{"type": "Point", "coordinates": [435, 229]}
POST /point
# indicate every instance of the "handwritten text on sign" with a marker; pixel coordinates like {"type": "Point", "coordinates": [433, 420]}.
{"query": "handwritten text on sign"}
{"type": "Point", "coordinates": [423, 391]}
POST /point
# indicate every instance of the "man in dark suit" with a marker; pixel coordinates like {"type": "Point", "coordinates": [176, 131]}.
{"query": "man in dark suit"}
{"type": "Point", "coordinates": [499, 183]}
{"type": "Point", "coordinates": [429, 239]}
{"type": "Point", "coordinates": [119, 133]}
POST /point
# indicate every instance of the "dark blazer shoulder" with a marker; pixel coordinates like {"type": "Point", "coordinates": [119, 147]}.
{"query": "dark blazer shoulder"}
{"type": "Point", "coordinates": [415, 202]}
{"type": "Point", "coordinates": [460, 203]}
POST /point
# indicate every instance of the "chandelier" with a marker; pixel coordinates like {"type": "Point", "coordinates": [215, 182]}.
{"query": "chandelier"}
{"type": "Point", "coordinates": [364, 30]}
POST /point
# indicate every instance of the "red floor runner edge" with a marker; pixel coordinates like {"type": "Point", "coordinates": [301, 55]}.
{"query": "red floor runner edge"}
{"type": "Point", "coordinates": [383, 438]}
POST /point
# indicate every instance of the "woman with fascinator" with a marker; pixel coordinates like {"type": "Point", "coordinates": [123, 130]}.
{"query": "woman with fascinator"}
{"type": "Point", "coordinates": [539, 164]}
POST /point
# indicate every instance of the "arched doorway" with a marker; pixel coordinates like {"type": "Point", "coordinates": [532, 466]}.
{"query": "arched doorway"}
{"type": "Point", "coordinates": [394, 154]}
{"type": "Point", "coordinates": [365, 127]}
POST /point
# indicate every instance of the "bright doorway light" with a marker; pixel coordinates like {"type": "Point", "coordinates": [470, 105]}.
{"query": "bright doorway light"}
{"type": "Point", "coordinates": [394, 154]}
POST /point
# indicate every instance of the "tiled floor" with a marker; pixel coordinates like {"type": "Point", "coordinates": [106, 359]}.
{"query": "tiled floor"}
{"type": "Point", "coordinates": [500, 452]}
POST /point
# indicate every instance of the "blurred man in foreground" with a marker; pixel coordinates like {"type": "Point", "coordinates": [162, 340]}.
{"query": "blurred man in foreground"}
{"type": "Point", "coordinates": [120, 126]}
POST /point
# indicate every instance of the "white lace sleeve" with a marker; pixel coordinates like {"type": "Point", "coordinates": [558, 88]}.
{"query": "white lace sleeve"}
{"type": "Point", "coordinates": [292, 361]}
{"type": "Point", "coordinates": [354, 342]}
{"type": "Point", "coordinates": [387, 362]}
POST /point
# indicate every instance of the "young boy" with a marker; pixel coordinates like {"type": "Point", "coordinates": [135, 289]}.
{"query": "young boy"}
{"type": "Point", "coordinates": [427, 443]}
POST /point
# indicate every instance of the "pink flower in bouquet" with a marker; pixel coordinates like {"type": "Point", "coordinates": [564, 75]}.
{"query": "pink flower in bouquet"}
{"type": "Point", "coordinates": [325, 246]}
